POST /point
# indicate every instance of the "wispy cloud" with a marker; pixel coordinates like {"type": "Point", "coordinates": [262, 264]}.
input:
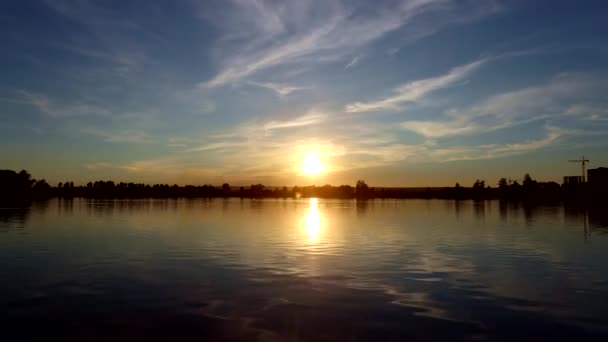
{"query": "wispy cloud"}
{"type": "Point", "coordinates": [416, 90]}
{"type": "Point", "coordinates": [353, 62]}
{"type": "Point", "coordinates": [259, 134]}
{"type": "Point", "coordinates": [280, 89]}
{"type": "Point", "coordinates": [548, 98]}
{"type": "Point", "coordinates": [122, 60]}
{"type": "Point", "coordinates": [549, 101]}
{"type": "Point", "coordinates": [296, 47]}
{"type": "Point", "coordinates": [123, 136]}
{"type": "Point", "coordinates": [88, 13]}
{"type": "Point", "coordinates": [491, 151]}
{"type": "Point", "coordinates": [105, 34]}
{"type": "Point", "coordinates": [376, 155]}
{"type": "Point", "coordinates": [312, 118]}
{"type": "Point", "coordinates": [159, 170]}
{"type": "Point", "coordinates": [284, 35]}
{"type": "Point", "coordinates": [105, 165]}
{"type": "Point", "coordinates": [383, 154]}
{"type": "Point", "coordinates": [435, 129]}
{"type": "Point", "coordinates": [217, 146]}
{"type": "Point", "coordinates": [61, 109]}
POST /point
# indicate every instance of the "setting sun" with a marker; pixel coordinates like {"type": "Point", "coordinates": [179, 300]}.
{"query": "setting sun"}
{"type": "Point", "coordinates": [312, 164]}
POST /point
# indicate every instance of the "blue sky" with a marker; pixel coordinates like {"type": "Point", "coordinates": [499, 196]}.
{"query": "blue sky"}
{"type": "Point", "coordinates": [411, 93]}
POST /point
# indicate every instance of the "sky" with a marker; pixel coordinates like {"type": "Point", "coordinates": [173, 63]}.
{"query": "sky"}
{"type": "Point", "coordinates": [397, 93]}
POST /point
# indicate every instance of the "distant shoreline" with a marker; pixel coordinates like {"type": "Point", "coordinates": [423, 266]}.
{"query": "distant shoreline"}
{"type": "Point", "coordinates": [19, 187]}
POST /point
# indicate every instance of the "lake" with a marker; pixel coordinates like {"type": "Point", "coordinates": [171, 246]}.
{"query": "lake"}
{"type": "Point", "coordinates": [298, 270]}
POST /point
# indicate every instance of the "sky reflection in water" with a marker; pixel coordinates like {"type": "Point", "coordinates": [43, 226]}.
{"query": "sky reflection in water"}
{"type": "Point", "coordinates": [303, 269]}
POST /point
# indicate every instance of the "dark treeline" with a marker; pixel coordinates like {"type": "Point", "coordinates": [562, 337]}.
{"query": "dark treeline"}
{"type": "Point", "coordinates": [18, 187]}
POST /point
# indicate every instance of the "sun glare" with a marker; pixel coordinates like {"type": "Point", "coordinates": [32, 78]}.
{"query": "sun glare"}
{"type": "Point", "coordinates": [313, 221]}
{"type": "Point", "coordinates": [312, 164]}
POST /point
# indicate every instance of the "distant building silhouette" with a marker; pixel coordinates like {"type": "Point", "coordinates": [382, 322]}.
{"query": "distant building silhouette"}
{"type": "Point", "coordinates": [598, 177]}
{"type": "Point", "coordinates": [573, 180]}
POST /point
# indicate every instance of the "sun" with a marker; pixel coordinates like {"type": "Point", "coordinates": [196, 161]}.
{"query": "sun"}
{"type": "Point", "coordinates": [312, 164]}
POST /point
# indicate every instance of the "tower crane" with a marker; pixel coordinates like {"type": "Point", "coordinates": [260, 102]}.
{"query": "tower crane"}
{"type": "Point", "coordinates": [583, 161]}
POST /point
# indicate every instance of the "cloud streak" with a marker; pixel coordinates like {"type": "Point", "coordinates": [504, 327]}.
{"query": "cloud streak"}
{"type": "Point", "coordinates": [550, 101]}
{"type": "Point", "coordinates": [280, 89]}
{"type": "Point", "coordinates": [106, 165]}
{"type": "Point", "coordinates": [337, 30]}
{"type": "Point", "coordinates": [416, 90]}
{"type": "Point", "coordinates": [104, 35]}
{"type": "Point", "coordinates": [124, 136]}
{"type": "Point", "coordinates": [256, 133]}
{"type": "Point", "coordinates": [57, 109]}
{"type": "Point", "coordinates": [313, 118]}
{"type": "Point", "coordinates": [217, 146]}
{"type": "Point", "coordinates": [492, 151]}
{"type": "Point", "coordinates": [353, 62]}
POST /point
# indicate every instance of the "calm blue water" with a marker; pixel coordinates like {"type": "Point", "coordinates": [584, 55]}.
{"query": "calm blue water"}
{"type": "Point", "coordinates": [302, 270]}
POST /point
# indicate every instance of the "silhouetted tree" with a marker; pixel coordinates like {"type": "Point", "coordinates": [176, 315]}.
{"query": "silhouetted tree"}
{"type": "Point", "coordinates": [457, 191]}
{"type": "Point", "coordinates": [362, 190]}
{"type": "Point", "coordinates": [479, 184]}
{"type": "Point", "coordinates": [257, 190]}
{"type": "Point", "coordinates": [226, 189]}
{"type": "Point", "coordinates": [15, 187]}
{"type": "Point", "coordinates": [479, 188]}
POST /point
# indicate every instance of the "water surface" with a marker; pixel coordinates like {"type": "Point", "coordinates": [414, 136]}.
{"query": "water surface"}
{"type": "Point", "coordinates": [302, 270]}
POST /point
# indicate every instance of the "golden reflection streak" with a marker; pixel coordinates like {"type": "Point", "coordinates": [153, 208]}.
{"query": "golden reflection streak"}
{"type": "Point", "coordinates": [313, 221]}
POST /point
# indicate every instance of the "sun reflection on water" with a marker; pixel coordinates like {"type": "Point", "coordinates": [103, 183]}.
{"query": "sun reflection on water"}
{"type": "Point", "coordinates": [313, 221]}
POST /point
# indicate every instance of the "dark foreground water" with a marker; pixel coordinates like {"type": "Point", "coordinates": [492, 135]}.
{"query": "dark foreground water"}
{"type": "Point", "coordinates": [302, 270]}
